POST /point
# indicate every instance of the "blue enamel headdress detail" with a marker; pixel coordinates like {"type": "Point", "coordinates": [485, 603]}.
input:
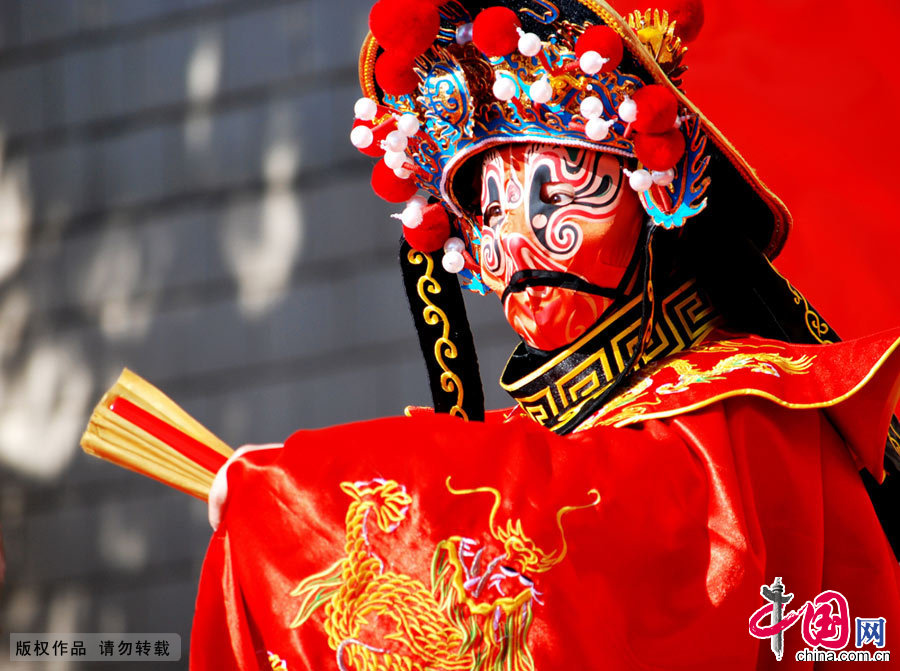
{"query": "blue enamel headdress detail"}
{"type": "Point", "coordinates": [452, 101]}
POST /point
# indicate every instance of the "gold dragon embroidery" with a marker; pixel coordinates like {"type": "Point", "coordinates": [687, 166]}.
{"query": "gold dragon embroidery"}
{"type": "Point", "coordinates": [454, 625]}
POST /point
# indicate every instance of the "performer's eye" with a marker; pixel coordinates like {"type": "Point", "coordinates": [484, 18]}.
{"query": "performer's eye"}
{"type": "Point", "coordinates": [605, 185]}
{"type": "Point", "coordinates": [558, 193]}
{"type": "Point", "coordinates": [492, 214]}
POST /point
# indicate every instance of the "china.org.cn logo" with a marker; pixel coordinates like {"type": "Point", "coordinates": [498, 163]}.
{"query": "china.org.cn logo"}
{"type": "Point", "coordinates": [824, 625]}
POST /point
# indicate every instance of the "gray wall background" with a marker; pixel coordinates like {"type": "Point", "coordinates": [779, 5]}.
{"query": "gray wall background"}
{"type": "Point", "coordinates": [178, 195]}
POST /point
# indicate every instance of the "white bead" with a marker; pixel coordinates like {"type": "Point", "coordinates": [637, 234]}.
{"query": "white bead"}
{"type": "Point", "coordinates": [361, 137]}
{"type": "Point", "coordinates": [402, 173]}
{"type": "Point", "coordinates": [591, 62]}
{"type": "Point", "coordinates": [628, 110]}
{"type": "Point", "coordinates": [365, 109]}
{"type": "Point", "coordinates": [417, 201]}
{"type": "Point", "coordinates": [591, 107]}
{"type": "Point", "coordinates": [663, 177]}
{"type": "Point", "coordinates": [504, 89]}
{"type": "Point", "coordinates": [541, 91]}
{"type": "Point", "coordinates": [453, 262]}
{"type": "Point", "coordinates": [530, 44]}
{"type": "Point", "coordinates": [597, 129]}
{"type": "Point", "coordinates": [464, 33]}
{"type": "Point", "coordinates": [640, 180]}
{"type": "Point", "coordinates": [396, 141]}
{"type": "Point", "coordinates": [411, 216]}
{"type": "Point", "coordinates": [454, 245]}
{"type": "Point", "coordinates": [408, 124]}
{"type": "Point", "coordinates": [394, 159]}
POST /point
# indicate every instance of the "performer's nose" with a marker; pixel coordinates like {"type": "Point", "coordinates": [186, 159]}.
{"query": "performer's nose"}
{"type": "Point", "coordinates": [514, 238]}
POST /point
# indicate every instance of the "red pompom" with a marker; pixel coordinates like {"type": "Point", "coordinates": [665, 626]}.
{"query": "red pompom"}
{"type": "Point", "coordinates": [605, 41]}
{"type": "Point", "coordinates": [394, 74]}
{"type": "Point", "coordinates": [657, 109]}
{"type": "Point", "coordinates": [432, 233]}
{"type": "Point", "coordinates": [661, 151]}
{"type": "Point", "coordinates": [688, 17]}
{"type": "Point", "coordinates": [407, 27]}
{"type": "Point", "coordinates": [390, 187]}
{"type": "Point", "coordinates": [494, 31]}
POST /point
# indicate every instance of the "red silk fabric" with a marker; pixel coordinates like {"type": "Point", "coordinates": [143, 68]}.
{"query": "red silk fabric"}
{"type": "Point", "coordinates": [696, 512]}
{"type": "Point", "coordinates": [807, 91]}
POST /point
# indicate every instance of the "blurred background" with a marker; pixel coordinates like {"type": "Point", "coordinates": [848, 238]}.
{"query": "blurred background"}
{"type": "Point", "coordinates": [178, 195]}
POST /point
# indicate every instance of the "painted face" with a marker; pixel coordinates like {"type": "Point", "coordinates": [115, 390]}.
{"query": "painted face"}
{"type": "Point", "coordinates": [560, 226]}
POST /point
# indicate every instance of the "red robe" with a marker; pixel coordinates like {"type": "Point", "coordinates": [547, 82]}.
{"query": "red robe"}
{"type": "Point", "coordinates": [426, 542]}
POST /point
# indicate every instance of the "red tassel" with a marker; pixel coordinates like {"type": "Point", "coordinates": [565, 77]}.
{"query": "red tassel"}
{"type": "Point", "coordinates": [605, 41]}
{"type": "Point", "coordinates": [688, 16]}
{"type": "Point", "coordinates": [661, 151]}
{"type": "Point", "coordinates": [657, 109]}
{"type": "Point", "coordinates": [406, 27]}
{"type": "Point", "coordinates": [395, 74]}
{"type": "Point", "coordinates": [390, 187]}
{"type": "Point", "coordinates": [430, 235]}
{"type": "Point", "coordinates": [494, 31]}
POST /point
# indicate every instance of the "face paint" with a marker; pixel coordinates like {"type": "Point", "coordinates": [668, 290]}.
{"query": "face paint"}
{"type": "Point", "coordinates": [560, 226]}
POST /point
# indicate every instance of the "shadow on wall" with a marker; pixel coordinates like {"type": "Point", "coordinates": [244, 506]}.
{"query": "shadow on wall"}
{"type": "Point", "coordinates": [183, 200]}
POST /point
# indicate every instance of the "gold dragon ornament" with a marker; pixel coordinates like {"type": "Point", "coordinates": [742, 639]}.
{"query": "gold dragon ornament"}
{"type": "Point", "coordinates": [657, 33]}
{"type": "Point", "coordinates": [453, 625]}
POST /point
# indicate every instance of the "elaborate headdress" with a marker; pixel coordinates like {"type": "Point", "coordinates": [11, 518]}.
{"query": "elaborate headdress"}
{"type": "Point", "coordinates": [445, 80]}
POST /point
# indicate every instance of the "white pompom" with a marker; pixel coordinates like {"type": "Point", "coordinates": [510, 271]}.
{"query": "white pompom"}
{"type": "Point", "coordinates": [417, 201]}
{"type": "Point", "coordinates": [402, 173]}
{"type": "Point", "coordinates": [361, 137]}
{"type": "Point", "coordinates": [396, 141]}
{"type": "Point", "coordinates": [663, 177]}
{"type": "Point", "coordinates": [591, 62]}
{"type": "Point", "coordinates": [394, 159]}
{"type": "Point", "coordinates": [541, 91]}
{"type": "Point", "coordinates": [408, 124]}
{"type": "Point", "coordinates": [464, 33]}
{"type": "Point", "coordinates": [530, 44]}
{"type": "Point", "coordinates": [628, 110]}
{"type": "Point", "coordinates": [365, 109]}
{"type": "Point", "coordinates": [597, 129]}
{"type": "Point", "coordinates": [453, 262]}
{"type": "Point", "coordinates": [639, 180]}
{"type": "Point", "coordinates": [504, 89]}
{"type": "Point", "coordinates": [591, 107]}
{"type": "Point", "coordinates": [411, 216]}
{"type": "Point", "coordinates": [454, 245]}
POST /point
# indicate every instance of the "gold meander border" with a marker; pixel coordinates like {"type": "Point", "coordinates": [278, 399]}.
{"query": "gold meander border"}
{"type": "Point", "coordinates": [433, 315]}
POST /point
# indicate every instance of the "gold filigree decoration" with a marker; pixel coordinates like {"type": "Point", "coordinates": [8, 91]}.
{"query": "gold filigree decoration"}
{"type": "Point", "coordinates": [434, 316]}
{"type": "Point", "coordinates": [814, 322]}
{"type": "Point", "coordinates": [657, 33]}
{"type": "Point", "coordinates": [452, 624]}
{"type": "Point", "coordinates": [276, 662]}
{"type": "Point", "coordinates": [767, 363]}
{"type": "Point", "coordinates": [893, 438]}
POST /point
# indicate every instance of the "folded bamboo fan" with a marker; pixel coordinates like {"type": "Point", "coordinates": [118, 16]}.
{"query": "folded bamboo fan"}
{"type": "Point", "coordinates": [138, 427]}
